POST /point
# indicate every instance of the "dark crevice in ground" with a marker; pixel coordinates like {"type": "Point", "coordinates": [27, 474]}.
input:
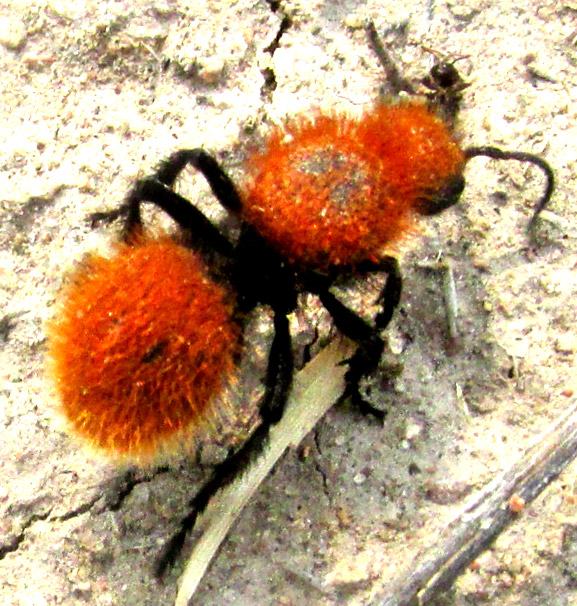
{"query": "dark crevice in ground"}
{"type": "Point", "coordinates": [319, 467]}
{"type": "Point", "coordinates": [111, 499]}
{"type": "Point", "coordinates": [14, 541]}
{"type": "Point", "coordinates": [270, 83]}
{"type": "Point", "coordinates": [285, 25]}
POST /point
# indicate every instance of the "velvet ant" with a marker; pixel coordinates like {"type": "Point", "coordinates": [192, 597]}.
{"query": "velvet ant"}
{"type": "Point", "coordinates": [146, 339]}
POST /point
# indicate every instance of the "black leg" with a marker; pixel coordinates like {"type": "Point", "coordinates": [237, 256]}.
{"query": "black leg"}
{"type": "Point", "coordinates": [220, 183]}
{"type": "Point", "coordinates": [156, 189]}
{"type": "Point", "coordinates": [278, 384]}
{"type": "Point", "coordinates": [391, 294]}
{"type": "Point", "coordinates": [201, 231]}
{"type": "Point", "coordinates": [366, 358]}
{"type": "Point", "coordinates": [280, 371]}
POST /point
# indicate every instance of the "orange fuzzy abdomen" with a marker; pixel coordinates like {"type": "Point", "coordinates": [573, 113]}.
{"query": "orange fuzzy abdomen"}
{"type": "Point", "coordinates": [336, 191]}
{"type": "Point", "coordinates": [143, 342]}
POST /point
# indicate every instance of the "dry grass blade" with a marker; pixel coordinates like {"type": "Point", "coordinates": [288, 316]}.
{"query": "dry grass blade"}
{"type": "Point", "coordinates": [316, 389]}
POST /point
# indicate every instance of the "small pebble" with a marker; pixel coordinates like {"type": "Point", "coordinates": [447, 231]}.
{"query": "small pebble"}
{"type": "Point", "coordinates": [12, 33]}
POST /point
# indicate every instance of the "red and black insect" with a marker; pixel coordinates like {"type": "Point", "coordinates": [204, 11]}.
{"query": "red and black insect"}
{"type": "Point", "coordinates": [146, 339]}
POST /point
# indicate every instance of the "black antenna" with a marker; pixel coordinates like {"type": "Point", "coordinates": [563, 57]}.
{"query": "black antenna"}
{"type": "Point", "coordinates": [499, 154]}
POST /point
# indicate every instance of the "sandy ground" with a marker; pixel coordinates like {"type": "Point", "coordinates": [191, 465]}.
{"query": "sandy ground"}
{"type": "Point", "coordinates": [93, 95]}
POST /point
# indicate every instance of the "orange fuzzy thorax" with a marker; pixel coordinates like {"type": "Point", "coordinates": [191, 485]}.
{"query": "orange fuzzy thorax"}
{"type": "Point", "coordinates": [336, 191]}
{"type": "Point", "coordinates": [143, 342]}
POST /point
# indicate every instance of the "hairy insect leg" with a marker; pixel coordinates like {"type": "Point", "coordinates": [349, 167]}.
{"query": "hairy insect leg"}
{"type": "Point", "coordinates": [278, 384]}
{"type": "Point", "coordinates": [200, 230]}
{"type": "Point", "coordinates": [157, 189]}
{"type": "Point", "coordinates": [220, 183]}
{"type": "Point", "coordinates": [367, 356]}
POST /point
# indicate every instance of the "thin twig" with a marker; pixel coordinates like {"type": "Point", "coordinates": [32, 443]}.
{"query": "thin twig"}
{"type": "Point", "coordinates": [484, 517]}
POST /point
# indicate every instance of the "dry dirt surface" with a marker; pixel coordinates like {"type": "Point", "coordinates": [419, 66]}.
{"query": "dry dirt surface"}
{"type": "Point", "coordinates": [93, 95]}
